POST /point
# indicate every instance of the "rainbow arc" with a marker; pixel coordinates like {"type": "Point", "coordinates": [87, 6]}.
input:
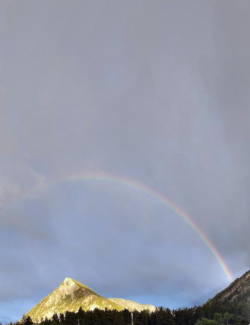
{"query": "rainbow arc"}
{"type": "Point", "coordinates": [154, 194]}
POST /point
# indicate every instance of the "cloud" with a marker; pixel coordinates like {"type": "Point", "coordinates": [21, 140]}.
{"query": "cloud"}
{"type": "Point", "coordinates": [156, 92]}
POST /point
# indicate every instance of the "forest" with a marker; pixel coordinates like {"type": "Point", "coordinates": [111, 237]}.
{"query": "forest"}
{"type": "Point", "coordinates": [211, 313]}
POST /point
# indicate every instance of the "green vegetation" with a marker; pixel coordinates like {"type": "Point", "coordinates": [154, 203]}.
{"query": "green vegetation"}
{"type": "Point", "coordinates": [161, 316]}
{"type": "Point", "coordinates": [220, 319]}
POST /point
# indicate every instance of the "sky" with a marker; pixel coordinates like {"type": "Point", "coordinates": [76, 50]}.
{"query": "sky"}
{"type": "Point", "coordinates": [152, 92]}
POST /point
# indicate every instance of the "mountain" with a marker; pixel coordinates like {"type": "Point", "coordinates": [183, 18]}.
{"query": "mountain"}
{"type": "Point", "coordinates": [235, 300]}
{"type": "Point", "coordinates": [236, 292]}
{"type": "Point", "coordinates": [132, 305]}
{"type": "Point", "coordinates": [71, 295]}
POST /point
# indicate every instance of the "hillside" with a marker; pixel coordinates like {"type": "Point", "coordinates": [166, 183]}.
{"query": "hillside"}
{"type": "Point", "coordinates": [235, 300]}
{"type": "Point", "coordinates": [236, 292]}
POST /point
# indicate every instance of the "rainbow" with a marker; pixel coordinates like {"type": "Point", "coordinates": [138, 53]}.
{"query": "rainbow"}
{"type": "Point", "coordinates": [154, 194]}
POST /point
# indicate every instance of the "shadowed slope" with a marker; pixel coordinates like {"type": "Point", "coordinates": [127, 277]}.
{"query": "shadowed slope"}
{"type": "Point", "coordinates": [236, 292]}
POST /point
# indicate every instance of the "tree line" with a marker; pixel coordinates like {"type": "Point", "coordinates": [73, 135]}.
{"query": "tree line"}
{"type": "Point", "coordinates": [211, 313]}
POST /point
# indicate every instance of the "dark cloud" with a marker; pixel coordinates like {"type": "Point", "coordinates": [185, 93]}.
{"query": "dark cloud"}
{"type": "Point", "coordinates": [156, 92]}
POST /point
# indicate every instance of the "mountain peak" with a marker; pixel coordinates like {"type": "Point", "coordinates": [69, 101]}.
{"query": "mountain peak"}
{"type": "Point", "coordinates": [68, 287]}
{"type": "Point", "coordinates": [67, 281]}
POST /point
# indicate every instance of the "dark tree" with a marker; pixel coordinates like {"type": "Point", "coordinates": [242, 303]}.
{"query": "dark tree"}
{"type": "Point", "coordinates": [55, 318]}
{"type": "Point", "coordinates": [26, 320]}
{"type": "Point", "coordinates": [61, 318]}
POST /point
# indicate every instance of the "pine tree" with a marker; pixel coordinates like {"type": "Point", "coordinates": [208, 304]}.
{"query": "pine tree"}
{"type": "Point", "coordinates": [26, 320]}
{"type": "Point", "coordinates": [55, 318]}
{"type": "Point", "coordinates": [61, 318]}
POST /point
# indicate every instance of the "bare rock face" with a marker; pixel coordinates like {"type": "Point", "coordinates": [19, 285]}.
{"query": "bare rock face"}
{"type": "Point", "coordinates": [71, 295]}
{"type": "Point", "coordinates": [68, 287]}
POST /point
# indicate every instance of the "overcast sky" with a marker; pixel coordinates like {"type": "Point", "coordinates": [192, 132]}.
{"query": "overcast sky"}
{"type": "Point", "coordinates": [154, 91]}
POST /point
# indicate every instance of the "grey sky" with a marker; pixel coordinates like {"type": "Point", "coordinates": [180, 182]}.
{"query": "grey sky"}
{"type": "Point", "coordinates": [154, 91]}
